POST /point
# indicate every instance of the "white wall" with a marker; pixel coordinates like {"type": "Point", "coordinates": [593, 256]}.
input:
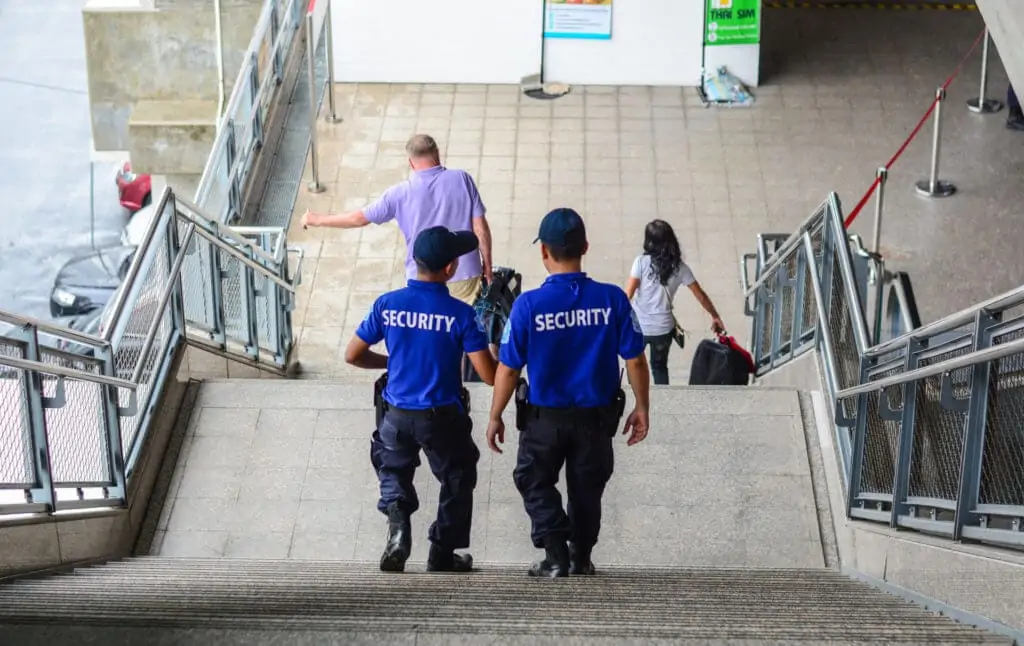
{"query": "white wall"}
{"type": "Point", "coordinates": [436, 41]}
{"type": "Point", "coordinates": [654, 42]}
{"type": "Point", "coordinates": [1005, 20]}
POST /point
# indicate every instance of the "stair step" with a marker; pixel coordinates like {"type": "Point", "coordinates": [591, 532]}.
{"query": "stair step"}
{"type": "Point", "coordinates": [498, 599]}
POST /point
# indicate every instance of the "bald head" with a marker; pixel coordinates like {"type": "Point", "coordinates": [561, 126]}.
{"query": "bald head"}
{"type": "Point", "coordinates": [423, 152]}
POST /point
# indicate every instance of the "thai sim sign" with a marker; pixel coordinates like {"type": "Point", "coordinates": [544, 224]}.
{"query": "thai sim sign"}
{"type": "Point", "coordinates": [732, 22]}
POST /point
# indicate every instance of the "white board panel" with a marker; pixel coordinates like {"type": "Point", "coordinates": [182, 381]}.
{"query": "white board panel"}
{"type": "Point", "coordinates": [436, 41]}
{"type": "Point", "coordinates": [654, 42]}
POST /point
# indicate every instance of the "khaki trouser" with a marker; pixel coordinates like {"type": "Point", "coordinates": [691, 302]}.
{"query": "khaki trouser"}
{"type": "Point", "coordinates": [466, 290]}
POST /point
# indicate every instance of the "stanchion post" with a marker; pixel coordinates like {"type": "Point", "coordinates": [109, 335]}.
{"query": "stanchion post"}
{"type": "Point", "coordinates": [933, 186]}
{"type": "Point", "coordinates": [982, 105]}
{"type": "Point", "coordinates": [314, 186]}
{"type": "Point", "coordinates": [876, 234]}
{"type": "Point", "coordinates": [332, 115]}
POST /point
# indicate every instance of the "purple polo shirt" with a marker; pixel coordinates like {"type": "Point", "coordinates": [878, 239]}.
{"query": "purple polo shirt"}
{"type": "Point", "coordinates": [433, 197]}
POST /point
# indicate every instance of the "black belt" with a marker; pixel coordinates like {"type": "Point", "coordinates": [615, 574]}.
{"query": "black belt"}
{"type": "Point", "coordinates": [568, 415]}
{"type": "Point", "coordinates": [448, 410]}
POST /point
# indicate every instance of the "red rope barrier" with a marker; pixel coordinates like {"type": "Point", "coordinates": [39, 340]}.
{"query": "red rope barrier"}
{"type": "Point", "coordinates": [913, 133]}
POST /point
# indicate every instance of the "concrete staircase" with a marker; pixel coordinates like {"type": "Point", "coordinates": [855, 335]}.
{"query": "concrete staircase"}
{"type": "Point", "coordinates": [717, 529]}
{"type": "Point", "coordinates": [190, 601]}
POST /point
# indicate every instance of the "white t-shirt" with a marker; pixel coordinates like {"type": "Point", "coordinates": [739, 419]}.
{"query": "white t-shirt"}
{"type": "Point", "coordinates": [652, 305]}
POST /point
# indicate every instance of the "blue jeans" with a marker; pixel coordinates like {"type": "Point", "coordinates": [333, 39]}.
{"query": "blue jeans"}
{"type": "Point", "coordinates": [659, 347]}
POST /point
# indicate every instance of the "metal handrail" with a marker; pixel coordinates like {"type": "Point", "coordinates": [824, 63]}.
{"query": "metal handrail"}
{"type": "Point", "coordinates": [267, 273]}
{"type": "Point", "coordinates": [777, 258]}
{"type": "Point", "coordinates": [121, 294]}
{"type": "Point", "coordinates": [54, 330]}
{"type": "Point", "coordinates": [196, 217]}
{"type": "Point", "coordinates": [70, 373]}
{"type": "Point", "coordinates": [949, 365]}
{"type": "Point", "coordinates": [860, 332]}
{"type": "Point", "coordinates": [1003, 301]}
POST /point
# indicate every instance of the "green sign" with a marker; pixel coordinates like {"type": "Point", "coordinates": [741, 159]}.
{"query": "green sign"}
{"type": "Point", "coordinates": [732, 22]}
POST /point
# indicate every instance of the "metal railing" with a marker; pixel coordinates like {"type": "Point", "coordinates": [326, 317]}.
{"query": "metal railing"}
{"type": "Point", "coordinates": [929, 419]}
{"type": "Point", "coordinates": [241, 128]}
{"type": "Point", "coordinates": [75, 407]}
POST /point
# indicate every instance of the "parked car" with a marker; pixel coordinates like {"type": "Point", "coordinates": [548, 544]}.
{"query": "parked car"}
{"type": "Point", "coordinates": [86, 283]}
{"type": "Point", "coordinates": [135, 230]}
{"type": "Point", "coordinates": [134, 190]}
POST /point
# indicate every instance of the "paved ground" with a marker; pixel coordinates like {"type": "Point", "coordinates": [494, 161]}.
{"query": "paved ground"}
{"type": "Point", "coordinates": [281, 470]}
{"type": "Point", "coordinates": [44, 152]}
{"type": "Point", "coordinates": [843, 88]}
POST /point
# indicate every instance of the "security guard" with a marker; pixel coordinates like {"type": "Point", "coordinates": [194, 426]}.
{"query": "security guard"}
{"type": "Point", "coordinates": [426, 331]}
{"type": "Point", "coordinates": [570, 333]}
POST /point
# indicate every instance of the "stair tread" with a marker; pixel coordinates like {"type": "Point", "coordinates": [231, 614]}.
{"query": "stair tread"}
{"type": "Point", "coordinates": [497, 599]}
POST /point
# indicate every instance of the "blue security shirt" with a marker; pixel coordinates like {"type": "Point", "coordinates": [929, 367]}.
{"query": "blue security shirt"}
{"type": "Point", "coordinates": [426, 331]}
{"type": "Point", "coordinates": [570, 333]}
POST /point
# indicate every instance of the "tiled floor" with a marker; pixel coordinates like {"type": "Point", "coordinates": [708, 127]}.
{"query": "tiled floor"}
{"type": "Point", "coordinates": [842, 88]}
{"type": "Point", "coordinates": [274, 469]}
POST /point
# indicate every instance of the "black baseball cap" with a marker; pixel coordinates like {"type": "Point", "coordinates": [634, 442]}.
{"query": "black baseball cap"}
{"type": "Point", "coordinates": [435, 248]}
{"type": "Point", "coordinates": [563, 228]}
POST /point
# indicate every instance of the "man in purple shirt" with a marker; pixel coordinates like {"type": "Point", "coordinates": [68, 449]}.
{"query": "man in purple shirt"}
{"type": "Point", "coordinates": [433, 196]}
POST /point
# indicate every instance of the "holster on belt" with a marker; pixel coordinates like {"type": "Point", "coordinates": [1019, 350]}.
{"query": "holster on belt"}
{"type": "Point", "coordinates": [379, 406]}
{"type": "Point", "coordinates": [464, 398]}
{"type": "Point", "coordinates": [523, 407]}
{"type": "Point", "coordinates": [615, 411]}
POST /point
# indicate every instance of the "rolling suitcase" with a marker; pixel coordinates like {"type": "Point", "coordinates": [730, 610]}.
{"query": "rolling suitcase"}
{"type": "Point", "coordinates": [721, 362]}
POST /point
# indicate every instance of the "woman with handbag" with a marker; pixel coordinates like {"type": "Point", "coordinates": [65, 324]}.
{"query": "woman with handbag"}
{"type": "Point", "coordinates": [656, 276]}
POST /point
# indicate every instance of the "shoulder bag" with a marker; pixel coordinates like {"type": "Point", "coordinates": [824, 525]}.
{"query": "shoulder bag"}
{"type": "Point", "coordinates": [678, 333]}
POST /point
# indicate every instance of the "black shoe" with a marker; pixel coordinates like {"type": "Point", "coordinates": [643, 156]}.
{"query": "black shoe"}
{"type": "Point", "coordinates": [399, 544]}
{"type": "Point", "coordinates": [555, 563]}
{"type": "Point", "coordinates": [579, 562]}
{"type": "Point", "coordinates": [442, 560]}
{"type": "Point", "coordinates": [1015, 120]}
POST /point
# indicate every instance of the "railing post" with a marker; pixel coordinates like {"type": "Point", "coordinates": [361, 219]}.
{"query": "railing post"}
{"type": "Point", "coordinates": [905, 447]}
{"type": "Point", "coordinates": [44, 491]}
{"type": "Point", "coordinates": [257, 113]}
{"type": "Point", "coordinates": [275, 29]}
{"type": "Point", "coordinates": [799, 280]}
{"type": "Point", "coordinates": [781, 282]}
{"type": "Point", "coordinates": [882, 174]}
{"type": "Point", "coordinates": [974, 427]}
{"type": "Point", "coordinates": [857, 443]}
{"type": "Point", "coordinates": [329, 33]}
{"type": "Point", "coordinates": [981, 105]}
{"type": "Point", "coordinates": [112, 421]}
{"type": "Point", "coordinates": [249, 293]}
{"type": "Point", "coordinates": [933, 186]}
{"type": "Point", "coordinates": [314, 107]}
{"type": "Point", "coordinates": [216, 278]}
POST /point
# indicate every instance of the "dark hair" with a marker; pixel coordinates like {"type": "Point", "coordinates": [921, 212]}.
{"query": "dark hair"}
{"type": "Point", "coordinates": [561, 254]}
{"type": "Point", "coordinates": [661, 244]}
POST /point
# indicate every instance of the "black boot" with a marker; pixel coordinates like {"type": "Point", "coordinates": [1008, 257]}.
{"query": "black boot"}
{"type": "Point", "coordinates": [579, 561]}
{"type": "Point", "coordinates": [399, 544]}
{"type": "Point", "coordinates": [1015, 120]}
{"type": "Point", "coordinates": [555, 563]}
{"type": "Point", "coordinates": [443, 560]}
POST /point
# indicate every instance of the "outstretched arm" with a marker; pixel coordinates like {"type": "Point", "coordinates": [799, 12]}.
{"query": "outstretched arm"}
{"type": "Point", "coordinates": [709, 307]}
{"type": "Point", "coordinates": [350, 220]}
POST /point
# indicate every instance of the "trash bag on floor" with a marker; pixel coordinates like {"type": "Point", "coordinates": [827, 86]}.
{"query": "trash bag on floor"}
{"type": "Point", "coordinates": [723, 88]}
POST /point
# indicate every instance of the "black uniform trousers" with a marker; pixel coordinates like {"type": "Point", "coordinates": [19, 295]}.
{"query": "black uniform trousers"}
{"type": "Point", "coordinates": [452, 455]}
{"type": "Point", "coordinates": [584, 446]}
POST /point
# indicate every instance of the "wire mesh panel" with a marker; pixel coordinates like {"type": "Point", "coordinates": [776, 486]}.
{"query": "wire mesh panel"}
{"type": "Point", "coordinates": [844, 341]}
{"type": "Point", "coordinates": [140, 314]}
{"type": "Point", "coordinates": [15, 431]}
{"type": "Point", "coordinates": [266, 324]}
{"type": "Point", "coordinates": [788, 296]}
{"type": "Point", "coordinates": [195, 282]}
{"type": "Point", "coordinates": [939, 431]}
{"type": "Point", "coordinates": [881, 438]}
{"type": "Point", "coordinates": [77, 430]}
{"type": "Point", "coordinates": [1002, 465]}
{"type": "Point", "coordinates": [767, 298]}
{"type": "Point", "coordinates": [236, 314]}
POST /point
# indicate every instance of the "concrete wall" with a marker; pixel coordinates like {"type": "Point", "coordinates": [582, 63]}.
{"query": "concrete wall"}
{"type": "Point", "coordinates": [162, 50]}
{"type": "Point", "coordinates": [1005, 20]}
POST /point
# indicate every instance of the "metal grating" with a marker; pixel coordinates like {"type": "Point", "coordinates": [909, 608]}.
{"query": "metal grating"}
{"type": "Point", "coordinates": [77, 431]}
{"type": "Point", "coordinates": [1002, 465]}
{"type": "Point", "coordinates": [881, 442]}
{"type": "Point", "coordinates": [15, 434]}
{"type": "Point", "coordinates": [939, 433]}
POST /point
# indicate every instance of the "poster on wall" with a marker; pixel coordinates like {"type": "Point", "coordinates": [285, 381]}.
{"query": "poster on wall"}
{"type": "Point", "coordinates": [578, 19]}
{"type": "Point", "coordinates": [733, 22]}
